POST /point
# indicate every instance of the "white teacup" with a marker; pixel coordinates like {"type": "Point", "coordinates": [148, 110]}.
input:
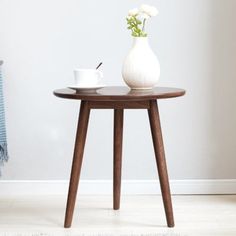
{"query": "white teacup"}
{"type": "Point", "coordinates": [87, 77]}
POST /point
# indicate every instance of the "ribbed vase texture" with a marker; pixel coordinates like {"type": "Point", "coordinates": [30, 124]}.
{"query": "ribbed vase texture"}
{"type": "Point", "coordinates": [141, 68]}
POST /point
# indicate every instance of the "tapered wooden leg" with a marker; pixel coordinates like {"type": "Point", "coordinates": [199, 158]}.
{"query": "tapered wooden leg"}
{"type": "Point", "coordinates": [117, 156]}
{"type": "Point", "coordinates": [160, 160]}
{"type": "Point", "coordinates": [77, 161]}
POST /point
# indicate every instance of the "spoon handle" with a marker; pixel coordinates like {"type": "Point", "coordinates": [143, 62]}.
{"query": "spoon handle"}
{"type": "Point", "coordinates": [99, 65]}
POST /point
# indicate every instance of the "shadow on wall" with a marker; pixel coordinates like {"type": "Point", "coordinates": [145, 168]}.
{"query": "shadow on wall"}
{"type": "Point", "coordinates": [222, 88]}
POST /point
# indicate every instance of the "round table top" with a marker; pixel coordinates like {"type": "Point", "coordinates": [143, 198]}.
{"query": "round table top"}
{"type": "Point", "coordinates": [119, 93]}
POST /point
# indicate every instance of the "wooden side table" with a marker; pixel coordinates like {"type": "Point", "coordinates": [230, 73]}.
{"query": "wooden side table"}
{"type": "Point", "coordinates": [119, 98]}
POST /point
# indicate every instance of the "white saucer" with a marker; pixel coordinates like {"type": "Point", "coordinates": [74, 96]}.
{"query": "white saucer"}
{"type": "Point", "coordinates": [92, 87]}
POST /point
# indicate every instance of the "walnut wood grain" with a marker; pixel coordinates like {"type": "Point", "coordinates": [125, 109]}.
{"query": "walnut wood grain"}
{"type": "Point", "coordinates": [160, 160]}
{"type": "Point", "coordinates": [117, 156]}
{"type": "Point", "coordinates": [77, 161]}
{"type": "Point", "coordinates": [119, 104]}
{"type": "Point", "coordinates": [120, 94]}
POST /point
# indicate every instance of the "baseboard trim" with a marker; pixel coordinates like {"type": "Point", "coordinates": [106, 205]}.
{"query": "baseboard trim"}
{"type": "Point", "coordinates": [56, 187]}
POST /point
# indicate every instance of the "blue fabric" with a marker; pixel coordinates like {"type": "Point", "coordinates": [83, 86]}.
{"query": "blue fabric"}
{"type": "Point", "coordinates": [3, 139]}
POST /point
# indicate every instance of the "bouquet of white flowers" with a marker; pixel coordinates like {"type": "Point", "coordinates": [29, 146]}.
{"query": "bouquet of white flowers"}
{"type": "Point", "coordinates": [137, 18]}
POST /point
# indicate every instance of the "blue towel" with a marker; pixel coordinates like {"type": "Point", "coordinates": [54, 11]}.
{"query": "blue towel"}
{"type": "Point", "coordinates": [3, 139]}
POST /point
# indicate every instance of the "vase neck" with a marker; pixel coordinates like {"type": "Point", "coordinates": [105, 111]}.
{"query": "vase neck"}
{"type": "Point", "coordinates": [140, 41]}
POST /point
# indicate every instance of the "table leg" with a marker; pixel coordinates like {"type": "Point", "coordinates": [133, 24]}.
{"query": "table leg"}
{"type": "Point", "coordinates": [117, 156]}
{"type": "Point", "coordinates": [160, 160]}
{"type": "Point", "coordinates": [77, 161]}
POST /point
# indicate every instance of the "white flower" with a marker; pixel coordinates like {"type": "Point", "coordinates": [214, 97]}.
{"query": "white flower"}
{"type": "Point", "coordinates": [148, 10]}
{"type": "Point", "coordinates": [133, 12]}
{"type": "Point", "coordinates": [144, 15]}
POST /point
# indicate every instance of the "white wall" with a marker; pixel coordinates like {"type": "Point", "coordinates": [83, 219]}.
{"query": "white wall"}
{"type": "Point", "coordinates": [42, 42]}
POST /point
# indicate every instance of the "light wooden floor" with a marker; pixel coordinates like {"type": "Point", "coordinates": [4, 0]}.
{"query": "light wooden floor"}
{"type": "Point", "coordinates": [139, 215]}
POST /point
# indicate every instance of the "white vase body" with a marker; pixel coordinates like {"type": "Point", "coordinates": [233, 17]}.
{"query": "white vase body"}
{"type": "Point", "coordinates": [141, 68]}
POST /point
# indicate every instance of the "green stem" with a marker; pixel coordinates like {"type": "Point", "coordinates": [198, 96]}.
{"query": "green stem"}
{"type": "Point", "coordinates": [144, 21]}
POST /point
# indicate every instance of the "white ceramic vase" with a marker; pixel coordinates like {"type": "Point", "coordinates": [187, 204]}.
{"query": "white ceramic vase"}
{"type": "Point", "coordinates": [141, 68]}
